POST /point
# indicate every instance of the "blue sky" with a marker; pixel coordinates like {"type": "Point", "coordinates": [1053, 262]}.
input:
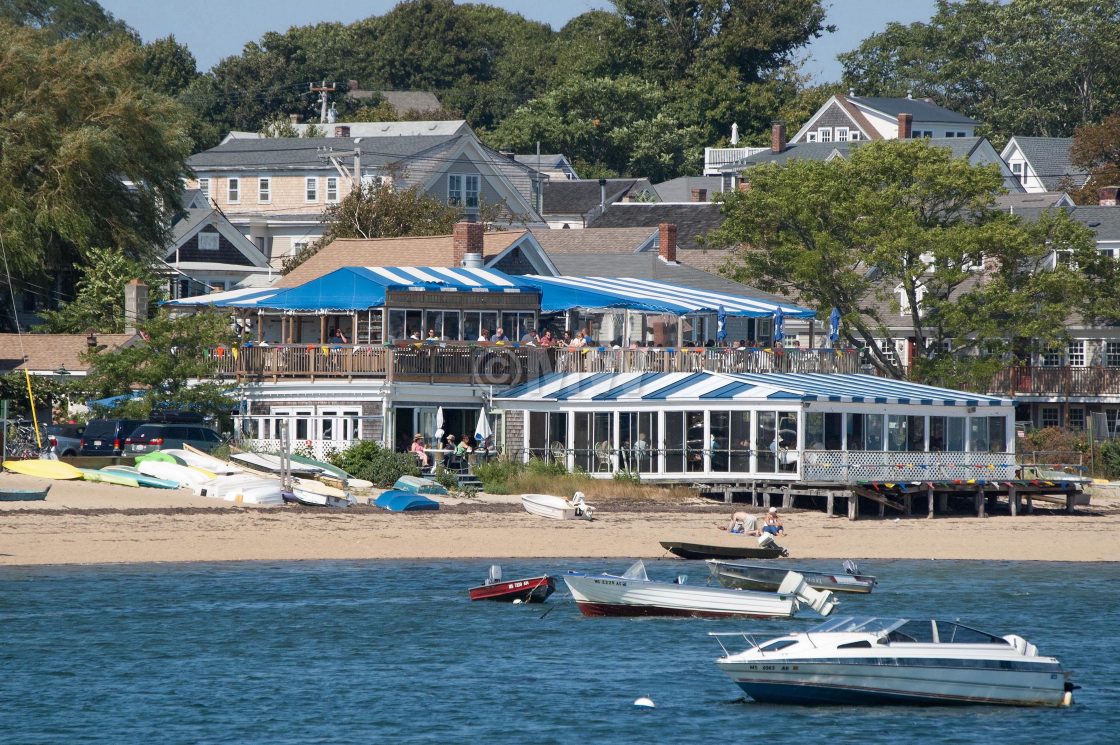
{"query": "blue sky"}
{"type": "Point", "coordinates": [219, 28]}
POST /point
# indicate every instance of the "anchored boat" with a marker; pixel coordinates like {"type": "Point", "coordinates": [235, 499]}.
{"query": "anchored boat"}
{"type": "Point", "coordinates": [769, 578]}
{"type": "Point", "coordinates": [635, 594]}
{"type": "Point", "coordinates": [701, 551]}
{"type": "Point", "coordinates": [525, 590]}
{"type": "Point", "coordinates": [896, 660]}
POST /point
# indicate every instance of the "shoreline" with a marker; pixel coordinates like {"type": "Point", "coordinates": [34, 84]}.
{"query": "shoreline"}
{"type": "Point", "coordinates": [82, 523]}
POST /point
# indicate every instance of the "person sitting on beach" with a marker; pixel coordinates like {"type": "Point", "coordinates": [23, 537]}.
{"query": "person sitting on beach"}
{"type": "Point", "coordinates": [773, 523]}
{"type": "Point", "coordinates": [743, 522]}
{"type": "Point", "coordinates": [418, 450]}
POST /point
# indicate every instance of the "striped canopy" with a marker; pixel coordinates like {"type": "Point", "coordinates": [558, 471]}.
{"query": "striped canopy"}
{"type": "Point", "coordinates": [560, 293]}
{"type": "Point", "coordinates": [619, 388]}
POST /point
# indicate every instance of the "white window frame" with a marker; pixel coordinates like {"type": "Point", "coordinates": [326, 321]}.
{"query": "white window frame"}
{"type": "Point", "coordinates": [824, 134]}
{"type": "Point", "coordinates": [472, 194]}
{"type": "Point", "coordinates": [842, 134]}
{"type": "Point", "coordinates": [233, 190]}
{"type": "Point", "coordinates": [217, 241]}
{"type": "Point", "coordinates": [1050, 357]}
{"type": "Point", "coordinates": [1112, 354]}
{"type": "Point", "coordinates": [1075, 353]}
{"type": "Point", "coordinates": [810, 137]}
{"type": "Point", "coordinates": [455, 189]}
{"type": "Point", "coordinates": [1076, 418]}
{"type": "Point", "coordinates": [311, 189]}
{"type": "Point", "coordinates": [264, 190]}
{"type": "Point", "coordinates": [1049, 416]}
{"type": "Point", "coordinates": [204, 187]}
{"type": "Point", "coordinates": [854, 135]}
{"type": "Point", "coordinates": [332, 189]}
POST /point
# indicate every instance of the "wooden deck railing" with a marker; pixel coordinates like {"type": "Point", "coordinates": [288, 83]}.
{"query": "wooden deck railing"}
{"type": "Point", "coordinates": [1057, 381]}
{"type": "Point", "coordinates": [507, 364]}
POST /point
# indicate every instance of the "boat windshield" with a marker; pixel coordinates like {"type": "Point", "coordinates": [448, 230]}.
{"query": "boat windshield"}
{"type": "Point", "coordinates": [904, 630]}
{"type": "Point", "coordinates": [637, 571]}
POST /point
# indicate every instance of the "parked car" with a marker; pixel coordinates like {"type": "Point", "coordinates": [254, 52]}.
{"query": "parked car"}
{"type": "Point", "coordinates": [151, 437]}
{"type": "Point", "coordinates": [66, 438]}
{"type": "Point", "coordinates": [107, 436]}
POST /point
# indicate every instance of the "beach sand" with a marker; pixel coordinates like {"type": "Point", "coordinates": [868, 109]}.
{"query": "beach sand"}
{"type": "Point", "coordinates": [89, 523]}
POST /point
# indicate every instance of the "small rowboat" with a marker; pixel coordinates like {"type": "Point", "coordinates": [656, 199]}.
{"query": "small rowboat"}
{"type": "Point", "coordinates": [701, 551]}
{"type": "Point", "coordinates": [528, 590]}
{"type": "Point", "coordinates": [557, 508]}
{"type": "Point", "coordinates": [768, 578]}
{"type": "Point", "coordinates": [403, 501]}
{"type": "Point", "coordinates": [24, 495]}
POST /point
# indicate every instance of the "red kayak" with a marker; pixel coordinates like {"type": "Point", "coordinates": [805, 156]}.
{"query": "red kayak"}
{"type": "Point", "coordinates": [528, 590]}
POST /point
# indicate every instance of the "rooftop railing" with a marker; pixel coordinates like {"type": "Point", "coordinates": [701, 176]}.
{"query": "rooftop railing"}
{"type": "Point", "coordinates": [494, 364]}
{"type": "Point", "coordinates": [1063, 381]}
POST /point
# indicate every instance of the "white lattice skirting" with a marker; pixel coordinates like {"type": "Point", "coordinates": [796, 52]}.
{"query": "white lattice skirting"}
{"type": "Point", "coordinates": [855, 467]}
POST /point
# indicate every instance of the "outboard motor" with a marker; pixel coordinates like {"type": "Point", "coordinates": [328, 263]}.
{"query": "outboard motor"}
{"type": "Point", "coordinates": [850, 567]}
{"type": "Point", "coordinates": [766, 540]}
{"type": "Point", "coordinates": [495, 575]}
{"type": "Point", "coordinates": [822, 601]}
{"type": "Point", "coordinates": [583, 509]}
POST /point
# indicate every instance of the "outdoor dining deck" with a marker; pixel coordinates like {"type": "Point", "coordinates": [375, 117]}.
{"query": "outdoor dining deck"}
{"type": "Point", "coordinates": [493, 364]}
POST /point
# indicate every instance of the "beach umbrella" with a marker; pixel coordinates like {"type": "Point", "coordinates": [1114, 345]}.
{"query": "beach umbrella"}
{"type": "Point", "coordinates": [834, 326]}
{"type": "Point", "coordinates": [721, 324]}
{"type": "Point", "coordinates": [779, 324]}
{"type": "Point", "coordinates": [483, 430]}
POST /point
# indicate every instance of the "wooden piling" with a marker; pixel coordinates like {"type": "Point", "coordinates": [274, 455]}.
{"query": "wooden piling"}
{"type": "Point", "coordinates": [929, 499]}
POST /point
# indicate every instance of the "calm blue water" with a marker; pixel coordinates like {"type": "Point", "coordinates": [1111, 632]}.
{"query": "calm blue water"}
{"type": "Point", "coordinates": [393, 652]}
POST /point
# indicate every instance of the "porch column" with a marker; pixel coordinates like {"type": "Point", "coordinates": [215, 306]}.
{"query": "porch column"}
{"type": "Point", "coordinates": [570, 444]}
{"type": "Point", "coordinates": [260, 327]}
{"type": "Point", "coordinates": [707, 447]}
{"type": "Point", "coordinates": [322, 329]}
{"type": "Point", "coordinates": [616, 442]}
{"type": "Point", "coordinates": [660, 443]}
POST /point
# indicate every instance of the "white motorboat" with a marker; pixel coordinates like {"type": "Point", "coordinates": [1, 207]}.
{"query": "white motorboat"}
{"type": "Point", "coordinates": [635, 594]}
{"type": "Point", "coordinates": [895, 660]}
{"type": "Point", "coordinates": [769, 578]}
{"type": "Point", "coordinates": [557, 508]}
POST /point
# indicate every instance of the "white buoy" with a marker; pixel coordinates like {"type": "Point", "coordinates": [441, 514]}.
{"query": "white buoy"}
{"type": "Point", "coordinates": [645, 702]}
{"type": "Point", "coordinates": [517, 601]}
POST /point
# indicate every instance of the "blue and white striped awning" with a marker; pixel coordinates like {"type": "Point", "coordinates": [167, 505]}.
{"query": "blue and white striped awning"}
{"type": "Point", "coordinates": [247, 297]}
{"type": "Point", "coordinates": [620, 388]}
{"type": "Point", "coordinates": [560, 293]}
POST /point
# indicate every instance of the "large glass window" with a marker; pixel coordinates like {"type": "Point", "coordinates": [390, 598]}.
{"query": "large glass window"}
{"type": "Point", "coordinates": [766, 441]}
{"type": "Point", "coordinates": [674, 441]}
{"type": "Point", "coordinates": [594, 441]}
{"type": "Point", "coordinates": [471, 187]}
{"type": "Point", "coordinates": [978, 434]}
{"type": "Point", "coordinates": [454, 189]}
{"type": "Point", "coordinates": [475, 322]}
{"type": "Point", "coordinates": [916, 433]}
{"type": "Point", "coordinates": [719, 445]}
{"type": "Point", "coordinates": [445, 323]}
{"type": "Point", "coordinates": [740, 447]}
{"type": "Point", "coordinates": [518, 324]}
{"type": "Point", "coordinates": [637, 437]}
{"type": "Point", "coordinates": [694, 444]}
{"type": "Point", "coordinates": [787, 442]}
{"type": "Point", "coordinates": [897, 436]}
{"type": "Point", "coordinates": [405, 324]}
{"type": "Point", "coordinates": [997, 433]}
{"type": "Point", "coordinates": [823, 431]}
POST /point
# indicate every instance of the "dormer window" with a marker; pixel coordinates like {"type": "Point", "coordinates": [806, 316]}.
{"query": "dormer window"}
{"type": "Point", "coordinates": [825, 134]}
{"type": "Point", "coordinates": [841, 134]}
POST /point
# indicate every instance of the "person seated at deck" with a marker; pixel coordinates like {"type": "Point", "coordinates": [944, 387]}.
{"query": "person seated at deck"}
{"type": "Point", "coordinates": [743, 523]}
{"type": "Point", "coordinates": [419, 451]}
{"type": "Point", "coordinates": [462, 453]}
{"type": "Point", "coordinates": [449, 446]}
{"type": "Point", "coordinates": [773, 523]}
{"type": "Point", "coordinates": [337, 337]}
{"type": "Point", "coordinates": [530, 338]}
{"type": "Point", "coordinates": [414, 336]}
{"type": "Point", "coordinates": [432, 337]}
{"type": "Point", "coordinates": [547, 340]}
{"type": "Point", "coordinates": [499, 335]}
{"type": "Point", "coordinates": [578, 341]}
{"type": "Point", "coordinates": [484, 335]}
{"type": "Point", "coordinates": [588, 341]}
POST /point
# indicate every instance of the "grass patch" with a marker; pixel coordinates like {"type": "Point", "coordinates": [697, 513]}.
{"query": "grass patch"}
{"type": "Point", "coordinates": [542, 477]}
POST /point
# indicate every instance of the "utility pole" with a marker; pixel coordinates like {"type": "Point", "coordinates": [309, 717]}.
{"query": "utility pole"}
{"type": "Point", "coordinates": [324, 89]}
{"type": "Point", "coordinates": [355, 177]}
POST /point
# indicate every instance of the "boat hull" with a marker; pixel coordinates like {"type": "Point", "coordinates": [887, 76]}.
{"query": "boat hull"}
{"type": "Point", "coordinates": [701, 551]}
{"type": "Point", "coordinates": [23, 495]}
{"type": "Point", "coordinates": [806, 682]}
{"type": "Point", "coordinates": [608, 595]}
{"type": "Point", "coordinates": [403, 501]}
{"type": "Point", "coordinates": [552, 507]}
{"type": "Point", "coordinates": [530, 590]}
{"type": "Point", "coordinates": [768, 579]}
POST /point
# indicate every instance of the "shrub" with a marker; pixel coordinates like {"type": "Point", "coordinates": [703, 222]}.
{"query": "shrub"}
{"type": "Point", "coordinates": [1110, 459]}
{"type": "Point", "coordinates": [630, 477]}
{"type": "Point", "coordinates": [368, 460]}
{"type": "Point", "coordinates": [445, 478]}
{"type": "Point", "coordinates": [495, 475]}
{"type": "Point", "coordinates": [546, 467]}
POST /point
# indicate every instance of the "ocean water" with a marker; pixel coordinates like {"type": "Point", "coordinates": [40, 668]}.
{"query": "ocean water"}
{"type": "Point", "coordinates": [394, 652]}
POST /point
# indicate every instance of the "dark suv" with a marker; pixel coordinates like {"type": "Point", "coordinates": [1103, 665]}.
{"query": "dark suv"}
{"type": "Point", "coordinates": [106, 436]}
{"type": "Point", "coordinates": [151, 437]}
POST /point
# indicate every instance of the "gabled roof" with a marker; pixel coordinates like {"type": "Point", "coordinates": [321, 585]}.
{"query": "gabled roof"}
{"type": "Point", "coordinates": [959, 147]}
{"type": "Point", "coordinates": [1049, 159]}
{"type": "Point", "coordinates": [580, 196]}
{"type": "Point", "coordinates": [440, 128]}
{"type": "Point", "coordinates": [922, 109]}
{"type": "Point", "coordinates": [433, 250]}
{"type": "Point", "coordinates": [49, 352]}
{"type": "Point", "coordinates": [596, 240]}
{"type": "Point", "coordinates": [680, 188]}
{"type": "Point", "coordinates": [693, 219]}
{"type": "Point", "coordinates": [197, 220]}
{"type": "Point", "coordinates": [1017, 201]}
{"type": "Point", "coordinates": [551, 161]}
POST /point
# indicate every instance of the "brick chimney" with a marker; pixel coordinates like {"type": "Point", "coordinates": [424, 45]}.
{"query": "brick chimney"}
{"type": "Point", "coordinates": [342, 130]}
{"type": "Point", "coordinates": [699, 195]}
{"type": "Point", "coordinates": [466, 243]}
{"type": "Point", "coordinates": [667, 245]}
{"type": "Point", "coordinates": [296, 118]}
{"type": "Point", "coordinates": [1107, 196]}
{"type": "Point", "coordinates": [135, 305]}
{"type": "Point", "coordinates": [905, 126]}
{"type": "Point", "coordinates": [777, 137]}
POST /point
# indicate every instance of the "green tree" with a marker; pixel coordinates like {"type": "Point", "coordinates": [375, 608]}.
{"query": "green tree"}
{"type": "Point", "coordinates": [90, 158]}
{"type": "Point", "coordinates": [903, 226]}
{"type": "Point", "coordinates": [174, 366]}
{"type": "Point", "coordinates": [169, 66]}
{"type": "Point", "coordinates": [1027, 67]}
{"type": "Point", "coordinates": [65, 19]}
{"type": "Point", "coordinates": [98, 303]}
{"type": "Point", "coordinates": [376, 210]}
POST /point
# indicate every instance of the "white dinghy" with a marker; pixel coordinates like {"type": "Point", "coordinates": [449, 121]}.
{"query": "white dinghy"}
{"type": "Point", "coordinates": [557, 508]}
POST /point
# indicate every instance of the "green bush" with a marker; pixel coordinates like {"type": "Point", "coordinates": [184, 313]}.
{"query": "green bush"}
{"type": "Point", "coordinates": [631, 477]}
{"type": "Point", "coordinates": [496, 474]}
{"type": "Point", "coordinates": [1110, 459]}
{"type": "Point", "coordinates": [445, 478]}
{"type": "Point", "coordinates": [546, 467]}
{"type": "Point", "coordinates": [368, 460]}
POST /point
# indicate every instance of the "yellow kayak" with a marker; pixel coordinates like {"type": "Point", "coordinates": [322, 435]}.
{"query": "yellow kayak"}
{"type": "Point", "coordinates": [47, 469]}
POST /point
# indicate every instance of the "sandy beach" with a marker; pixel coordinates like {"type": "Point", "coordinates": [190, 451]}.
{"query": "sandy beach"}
{"type": "Point", "coordinates": [89, 523]}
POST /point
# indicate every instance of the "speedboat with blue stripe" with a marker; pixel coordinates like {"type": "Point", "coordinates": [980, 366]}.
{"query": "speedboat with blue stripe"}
{"type": "Point", "coordinates": [895, 660]}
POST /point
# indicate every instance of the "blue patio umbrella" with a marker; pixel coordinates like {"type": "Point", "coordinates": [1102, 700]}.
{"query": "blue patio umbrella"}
{"type": "Point", "coordinates": [779, 324]}
{"type": "Point", "coordinates": [721, 324]}
{"type": "Point", "coordinates": [834, 326]}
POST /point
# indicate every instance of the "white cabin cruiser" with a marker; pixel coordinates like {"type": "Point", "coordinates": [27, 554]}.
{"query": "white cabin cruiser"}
{"type": "Point", "coordinates": [895, 660]}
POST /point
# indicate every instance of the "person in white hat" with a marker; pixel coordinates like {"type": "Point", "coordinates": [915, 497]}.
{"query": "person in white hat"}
{"type": "Point", "coordinates": [773, 523]}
